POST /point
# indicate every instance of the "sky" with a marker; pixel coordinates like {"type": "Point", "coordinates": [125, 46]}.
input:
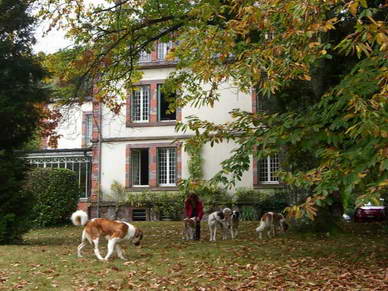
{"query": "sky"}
{"type": "Point", "coordinates": [55, 40]}
{"type": "Point", "coordinates": [51, 42]}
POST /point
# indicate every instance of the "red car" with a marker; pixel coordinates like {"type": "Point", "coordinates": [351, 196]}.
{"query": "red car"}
{"type": "Point", "coordinates": [369, 213]}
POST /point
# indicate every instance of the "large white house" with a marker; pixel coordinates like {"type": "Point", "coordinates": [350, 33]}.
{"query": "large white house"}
{"type": "Point", "coordinates": [139, 147]}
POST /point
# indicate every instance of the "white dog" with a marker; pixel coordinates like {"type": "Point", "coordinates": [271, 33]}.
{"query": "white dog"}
{"type": "Point", "coordinates": [113, 230]}
{"type": "Point", "coordinates": [234, 222]}
{"type": "Point", "coordinates": [189, 228]}
{"type": "Point", "coordinates": [270, 222]}
{"type": "Point", "coordinates": [219, 219]}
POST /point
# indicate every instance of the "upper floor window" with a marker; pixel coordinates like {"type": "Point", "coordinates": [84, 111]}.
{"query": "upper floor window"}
{"type": "Point", "coordinates": [167, 166]}
{"type": "Point", "coordinates": [267, 169]}
{"type": "Point", "coordinates": [144, 57]}
{"type": "Point", "coordinates": [88, 129]}
{"type": "Point", "coordinates": [141, 104]}
{"type": "Point", "coordinates": [259, 103]}
{"type": "Point", "coordinates": [164, 101]}
{"type": "Point", "coordinates": [162, 49]}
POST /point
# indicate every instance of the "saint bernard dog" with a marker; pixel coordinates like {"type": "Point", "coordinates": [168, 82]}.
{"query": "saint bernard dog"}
{"type": "Point", "coordinates": [114, 231]}
{"type": "Point", "coordinates": [234, 222]}
{"type": "Point", "coordinates": [189, 228]}
{"type": "Point", "coordinates": [219, 219]}
{"type": "Point", "coordinates": [271, 222]}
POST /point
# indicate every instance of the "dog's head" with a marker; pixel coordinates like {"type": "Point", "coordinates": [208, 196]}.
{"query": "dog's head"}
{"type": "Point", "coordinates": [189, 221]}
{"type": "Point", "coordinates": [138, 237]}
{"type": "Point", "coordinates": [236, 215]}
{"type": "Point", "coordinates": [227, 212]}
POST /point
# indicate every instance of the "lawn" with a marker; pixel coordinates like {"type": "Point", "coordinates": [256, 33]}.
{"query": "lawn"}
{"type": "Point", "coordinates": [355, 260]}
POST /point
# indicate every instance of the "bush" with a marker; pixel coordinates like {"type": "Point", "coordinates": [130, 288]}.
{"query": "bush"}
{"type": "Point", "coordinates": [15, 203]}
{"type": "Point", "coordinates": [56, 193]}
{"type": "Point", "coordinates": [253, 203]}
{"type": "Point", "coordinates": [164, 204]}
{"type": "Point", "coordinates": [214, 198]}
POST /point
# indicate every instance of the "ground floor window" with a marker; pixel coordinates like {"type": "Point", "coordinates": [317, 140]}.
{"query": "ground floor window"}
{"type": "Point", "coordinates": [167, 166]}
{"type": "Point", "coordinates": [153, 165]}
{"type": "Point", "coordinates": [140, 167]}
{"type": "Point", "coordinates": [267, 170]}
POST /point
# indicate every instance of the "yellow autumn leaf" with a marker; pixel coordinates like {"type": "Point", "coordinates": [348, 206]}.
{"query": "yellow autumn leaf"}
{"type": "Point", "coordinates": [348, 116]}
{"type": "Point", "coordinates": [314, 44]}
{"type": "Point", "coordinates": [353, 8]}
{"type": "Point", "coordinates": [384, 183]}
{"type": "Point", "coordinates": [381, 38]}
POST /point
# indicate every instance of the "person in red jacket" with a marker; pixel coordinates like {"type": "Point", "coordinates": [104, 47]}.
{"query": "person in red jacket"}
{"type": "Point", "coordinates": [194, 208]}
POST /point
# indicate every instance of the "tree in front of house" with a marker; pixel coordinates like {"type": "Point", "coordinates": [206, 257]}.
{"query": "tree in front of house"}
{"type": "Point", "coordinates": [21, 110]}
{"type": "Point", "coordinates": [320, 66]}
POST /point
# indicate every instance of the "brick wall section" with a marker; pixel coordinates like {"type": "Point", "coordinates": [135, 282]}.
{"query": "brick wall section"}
{"type": "Point", "coordinates": [96, 167]}
{"type": "Point", "coordinates": [153, 167]}
{"type": "Point", "coordinates": [83, 206]}
{"type": "Point", "coordinates": [154, 103]}
{"type": "Point", "coordinates": [254, 172]}
{"type": "Point", "coordinates": [44, 142]}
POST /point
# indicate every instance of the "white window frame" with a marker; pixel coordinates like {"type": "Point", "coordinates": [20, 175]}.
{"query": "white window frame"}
{"type": "Point", "coordinates": [167, 167]}
{"type": "Point", "coordinates": [272, 165]}
{"type": "Point", "coordinates": [162, 49]}
{"type": "Point", "coordinates": [144, 57]}
{"type": "Point", "coordinates": [144, 103]}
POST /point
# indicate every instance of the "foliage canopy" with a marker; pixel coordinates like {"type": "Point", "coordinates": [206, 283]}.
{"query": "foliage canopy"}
{"type": "Point", "coordinates": [323, 62]}
{"type": "Point", "coordinates": [21, 110]}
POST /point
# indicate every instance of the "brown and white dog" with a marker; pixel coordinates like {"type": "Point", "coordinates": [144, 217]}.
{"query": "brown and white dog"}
{"type": "Point", "coordinates": [219, 219]}
{"type": "Point", "coordinates": [270, 222]}
{"type": "Point", "coordinates": [234, 222]}
{"type": "Point", "coordinates": [114, 231]}
{"type": "Point", "coordinates": [189, 228]}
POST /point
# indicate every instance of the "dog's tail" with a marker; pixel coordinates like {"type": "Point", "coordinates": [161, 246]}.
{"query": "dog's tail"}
{"type": "Point", "coordinates": [264, 221]}
{"type": "Point", "coordinates": [261, 227]}
{"type": "Point", "coordinates": [79, 217]}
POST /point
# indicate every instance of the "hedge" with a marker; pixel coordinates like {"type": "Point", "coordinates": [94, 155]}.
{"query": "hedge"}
{"type": "Point", "coordinates": [56, 194]}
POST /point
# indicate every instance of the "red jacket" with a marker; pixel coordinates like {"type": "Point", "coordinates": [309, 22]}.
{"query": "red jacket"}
{"type": "Point", "coordinates": [189, 209]}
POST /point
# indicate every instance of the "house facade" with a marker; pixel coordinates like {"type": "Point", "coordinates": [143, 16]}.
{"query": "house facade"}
{"type": "Point", "coordinates": [139, 147]}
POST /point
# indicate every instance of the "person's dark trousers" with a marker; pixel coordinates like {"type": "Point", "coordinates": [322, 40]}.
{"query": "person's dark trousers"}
{"type": "Point", "coordinates": [197, 235]}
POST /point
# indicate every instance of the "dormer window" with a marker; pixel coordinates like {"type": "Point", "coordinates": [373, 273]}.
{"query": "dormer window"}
{"type": "Point", "coordinates": [144, 57]}
{"type": "Point", "coordinates": [162, 49]}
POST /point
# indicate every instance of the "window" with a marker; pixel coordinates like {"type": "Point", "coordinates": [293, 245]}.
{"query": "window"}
{"type": "Point", "coordinates": [140, 104]}
{"type": "Point", "coordinates": [267, 169]}
{"type": "Point", "coordinates": [164, 102]}
{"type": "Point", "coordinates": [140, 167]}
{"type": "Point", "coordinates": [167, 166]}
{"type": "Point", "coordinates": [162, 49]}
{"type": "Point", "coordinates": [88, 129]}
{"type": "Point", "coordinates": [144, 57]}
{"type": "Point", "coordinates": [139, 215]}
{"type": "Point", "coordinates": [259, 103]}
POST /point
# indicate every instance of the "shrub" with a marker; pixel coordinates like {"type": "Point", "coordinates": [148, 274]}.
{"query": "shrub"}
{"type": "Point", "coordinates": [15, 203]}
{"type": "Point", "coordinates": [248, 197]}
{"type": "Point", "coordinates": [214, 198]}
{"type": "Point", "coordinates": [164, 204]}
{"type": "Point", "coordinates": [253, 203]}
{"type": "Point", "coordinates": [56, 193]}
